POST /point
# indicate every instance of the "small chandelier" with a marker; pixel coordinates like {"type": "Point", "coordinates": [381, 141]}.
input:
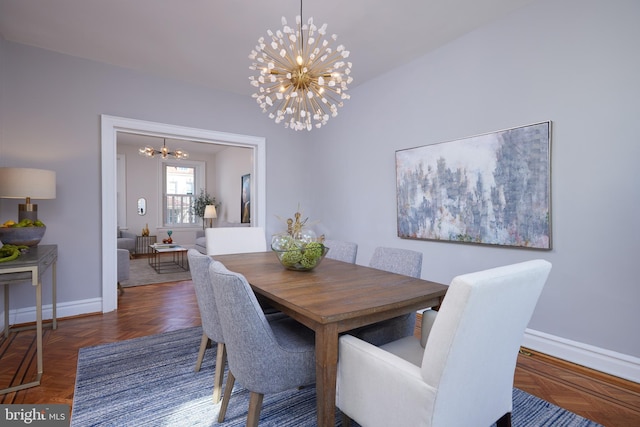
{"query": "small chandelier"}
{"type": "Point", "coordinates": [301, 78]}
{"type": "Point", "coordinates": [164, 152]}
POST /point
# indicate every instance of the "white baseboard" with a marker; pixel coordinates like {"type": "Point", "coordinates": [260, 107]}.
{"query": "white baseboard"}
{"type": "Point", "coordinates": [65, 309]}
{"type": "Point", "coordinates": [607, 361]}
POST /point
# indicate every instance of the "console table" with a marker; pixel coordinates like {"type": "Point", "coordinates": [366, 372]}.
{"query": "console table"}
{"type": "Point", "coordinates": [29, 267]}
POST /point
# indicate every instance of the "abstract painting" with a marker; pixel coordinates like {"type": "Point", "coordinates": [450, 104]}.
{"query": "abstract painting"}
{"type": "Point", "coordinates": [492, 189]}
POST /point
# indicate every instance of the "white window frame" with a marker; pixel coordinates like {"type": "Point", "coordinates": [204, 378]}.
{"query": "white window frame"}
{"type": "Point", "coordinates": [200, 183]}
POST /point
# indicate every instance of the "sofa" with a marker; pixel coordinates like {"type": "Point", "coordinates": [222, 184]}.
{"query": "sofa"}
{"type": "Point", "coordinates": [123, 268]}
{"type": "Point", "coordinates": [126, 240]}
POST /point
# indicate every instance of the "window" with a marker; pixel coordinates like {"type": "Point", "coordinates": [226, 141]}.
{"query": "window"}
{"type": "Point", "coordinates": [179, 182]}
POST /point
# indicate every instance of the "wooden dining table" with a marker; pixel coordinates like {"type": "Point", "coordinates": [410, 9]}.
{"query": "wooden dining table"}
{"type": "Point", "coordinates": [333, 298]}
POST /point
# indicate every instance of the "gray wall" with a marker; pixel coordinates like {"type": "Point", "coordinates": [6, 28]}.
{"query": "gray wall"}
{"type": "Point", "coordinates": [573, 62]}
{"type": "Point", "coordinates": [230, 166]}
{"type": "Point", "coordinates": [50, 118]}
{"type": "Point", "coordinates": [143, 179]}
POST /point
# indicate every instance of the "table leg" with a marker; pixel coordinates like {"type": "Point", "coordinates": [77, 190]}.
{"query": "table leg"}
{"type": "Point", "coordinates": [35, 281]}
{"type": "Point", "coordinates": [326, 373]}
{"type": "Point", "coordinates": [38, 285]}
{"type": "Point", "coordinates": [6, 310]}
{"type": "Point", "coordinates": [53, 295]}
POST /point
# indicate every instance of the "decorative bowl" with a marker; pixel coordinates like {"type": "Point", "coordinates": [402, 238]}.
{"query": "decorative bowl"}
{"type": "Point", "coordinates": [298, 255]}
{"type": "Point", "coordinates": [27, 236]}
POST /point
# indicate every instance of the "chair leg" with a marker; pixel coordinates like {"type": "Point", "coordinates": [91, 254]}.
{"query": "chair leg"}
{"type": "Point", "coordinates": [504, 421]}
{"type": "Point", "coordinates": [203, 347]}
{"type": "Point", "coordinates": [255, 405]}
{"type": "Point", "coordinates": [120, 289]}
{"type": "Point", "coordinates": [221, 361]}
{"type": "Point", "coordinates": [225, 398]}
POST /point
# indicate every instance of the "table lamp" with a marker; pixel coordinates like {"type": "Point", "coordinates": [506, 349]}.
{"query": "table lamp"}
{"type": "Point", "coordinates": [210, 213]}
{"type": "Point", "coordinates": [25, 183]}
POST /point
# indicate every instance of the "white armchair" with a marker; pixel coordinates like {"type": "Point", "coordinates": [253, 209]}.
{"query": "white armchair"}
{"type": "Point", "coordinates": [234, 240]}
{"type": "Point", "coordinates": [464, 374]}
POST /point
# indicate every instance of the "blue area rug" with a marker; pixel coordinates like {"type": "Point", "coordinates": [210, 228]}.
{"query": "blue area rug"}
{"type": "Point", "coordinates": [151, 381]}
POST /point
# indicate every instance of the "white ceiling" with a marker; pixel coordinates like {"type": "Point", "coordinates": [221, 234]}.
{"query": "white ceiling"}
{"type": "Point", "coordinates": [207, 42]}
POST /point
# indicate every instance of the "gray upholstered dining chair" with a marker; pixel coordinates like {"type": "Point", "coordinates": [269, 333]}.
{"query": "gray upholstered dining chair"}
{"type": "Point", "coordinates": [399, 261]}
{"type": "Point", "coordinates": [396, 260]}
{"type": "Point", "coordinates": [211, 329]}
{"type": "Point", "coordinates": [265, 357]}
{"type": "Point", "coordinates": [461, 372]}
{"type": "Point", "coordinates": [341, 251]}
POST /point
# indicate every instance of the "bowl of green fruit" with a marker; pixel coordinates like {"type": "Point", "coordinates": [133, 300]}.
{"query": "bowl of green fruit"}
{"type": "Point", "coordinates": [298, 254]}
{"type": "Point", "coordinates": [23, 233]}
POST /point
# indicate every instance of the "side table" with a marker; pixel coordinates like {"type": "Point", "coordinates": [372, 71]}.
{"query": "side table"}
{"type": "Point", "coordinates": [142, 244]}
{"type": "Point", "coordinates": [29, 267]}
{"type": "Point", "coordinates": [176, 261]}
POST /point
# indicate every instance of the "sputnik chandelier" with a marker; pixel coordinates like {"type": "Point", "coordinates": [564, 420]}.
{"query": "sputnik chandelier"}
{"type": "Point", "coordinates": [164, 152]}
{"type": "Point", "coordinates": [301, 79]}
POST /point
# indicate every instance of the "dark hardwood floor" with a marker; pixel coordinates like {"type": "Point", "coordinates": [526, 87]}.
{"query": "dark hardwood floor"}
{"type": "Point", "coordinates": [152, 309]}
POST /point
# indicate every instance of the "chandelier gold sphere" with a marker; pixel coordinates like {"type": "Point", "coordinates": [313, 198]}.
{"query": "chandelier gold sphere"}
{"type": "Point", "coordinates": [301, 79]}
{"type": "Point", "coordinates": [163, 152]}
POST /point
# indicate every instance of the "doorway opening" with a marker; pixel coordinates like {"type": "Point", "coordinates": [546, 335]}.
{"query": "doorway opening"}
{"type": "Point", "coordinates": [111, 126]}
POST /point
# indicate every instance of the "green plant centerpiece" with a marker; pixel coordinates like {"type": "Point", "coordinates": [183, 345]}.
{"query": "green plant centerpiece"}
{"type": "Point", "coordinates": [298, 249]}
{"type": "Point", "coordinates": [200, 204]}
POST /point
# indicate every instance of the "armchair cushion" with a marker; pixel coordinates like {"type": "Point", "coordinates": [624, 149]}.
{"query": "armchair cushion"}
{"type": "Point", "coordinates": [126, 240]}
{"type": "Point", "coordinates": [201, 243]}
{"type": "Point", "coordinates": [409, 348]}
{"type": "Point", "coordinates": [380, 377]}
{"type": "Point", "coordinates": [123, 264]}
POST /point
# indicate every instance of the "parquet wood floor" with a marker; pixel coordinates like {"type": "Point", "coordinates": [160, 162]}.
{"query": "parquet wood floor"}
{"type": "Point", "coordinates": [152, 309]}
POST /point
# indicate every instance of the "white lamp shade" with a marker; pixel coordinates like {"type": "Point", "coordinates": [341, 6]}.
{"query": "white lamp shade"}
{"type": "Point", "coordinates": [20, 183]}
{"type": "Point", "coordinates": [210, 212]}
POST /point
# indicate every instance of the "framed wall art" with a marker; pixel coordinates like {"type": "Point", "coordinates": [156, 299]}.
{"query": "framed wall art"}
{"type": "Point", "coordinates": [245, 199]}
{"type": "Point", "coordinates": [492, 189]}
